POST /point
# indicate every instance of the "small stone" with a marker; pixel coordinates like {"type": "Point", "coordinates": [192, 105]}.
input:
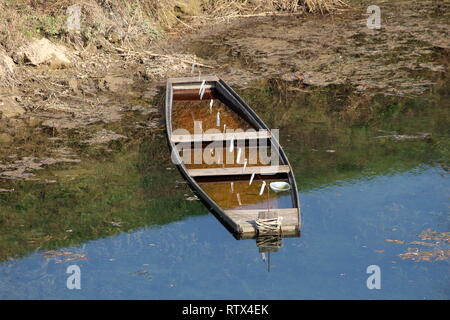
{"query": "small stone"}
{"type": "Point", "coordinates": [6, 68]}
{"type": "Point", "coordinates": [42, 51]}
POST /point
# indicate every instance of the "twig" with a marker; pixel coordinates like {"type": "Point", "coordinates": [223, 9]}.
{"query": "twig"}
{"type": "Point", "coordinates": [262, 14]}
{"type": "Point", "coordinates": [123, 51]}
{"type": "Point", "coordinates": [184, 23]}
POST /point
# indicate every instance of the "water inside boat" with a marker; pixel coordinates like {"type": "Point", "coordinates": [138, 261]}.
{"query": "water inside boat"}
{"type": "Point", "coordinates": [195, 112]}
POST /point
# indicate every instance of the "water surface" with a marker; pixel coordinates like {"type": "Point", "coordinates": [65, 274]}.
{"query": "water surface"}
{"type": "Point", "coordinates": [366, 199]}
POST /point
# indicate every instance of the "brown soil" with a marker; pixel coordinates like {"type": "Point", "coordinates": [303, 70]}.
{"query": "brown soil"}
{"type": "Point", "coordinates": [335, 49]}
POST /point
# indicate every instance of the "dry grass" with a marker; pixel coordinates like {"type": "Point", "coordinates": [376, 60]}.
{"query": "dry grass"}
{"type": "Point", "coordinates": [323, 6]}
{"type": "Point", "coordinates": [130, 23]}
{"type": "Point", "coordinates": [313, 6]}
{"type": "Point", "coordinates": [224, 8]}
{"type": "Point", "coordinates": [117, 21]}
{"type": "Point", "coordinates": [227, 8]}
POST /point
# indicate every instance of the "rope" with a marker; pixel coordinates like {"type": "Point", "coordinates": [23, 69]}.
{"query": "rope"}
{"type": "Point", "coordinates": [269, 225]}
{"type": "Point", "coordinates": [269, 242]}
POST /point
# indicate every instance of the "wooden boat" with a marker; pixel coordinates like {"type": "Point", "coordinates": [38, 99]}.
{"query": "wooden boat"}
{"type": "Point", "coordinates": [202, 118]}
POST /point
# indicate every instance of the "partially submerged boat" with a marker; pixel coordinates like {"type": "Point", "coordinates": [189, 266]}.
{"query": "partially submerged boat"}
{"type": "Point", "coordinates": [231, 159]}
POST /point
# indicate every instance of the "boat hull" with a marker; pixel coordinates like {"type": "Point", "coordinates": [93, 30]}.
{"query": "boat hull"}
{"type": "Point", "coordinates": [241, 223]}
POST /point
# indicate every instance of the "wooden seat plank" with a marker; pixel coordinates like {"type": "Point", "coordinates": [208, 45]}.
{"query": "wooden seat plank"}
{"type": "Point", "coordinates": [190, 80]}
{"type": "Point", "coordinates": [254, 212]}
{"type": "Point", "coordinates": [238, 171]}
{"type": "Point", "coordinates": [206, 137]}
{"type": "Point", "coordinates": [191, 86]}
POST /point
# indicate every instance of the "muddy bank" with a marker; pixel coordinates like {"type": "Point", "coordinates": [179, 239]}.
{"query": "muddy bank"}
{"type": "Point", "coordinates": [50, 109]}
{"type": "Point", "coordinates": [404, 57]}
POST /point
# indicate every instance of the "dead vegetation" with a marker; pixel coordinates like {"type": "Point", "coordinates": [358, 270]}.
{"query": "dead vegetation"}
{"type": "Point", "coordinates": [437, 250]}
{"type": "Point", "coordinates": [125, 22]}
{"type": "Point", "coordinates": [130, 23]}
{"type": "Point", "coordinates": [225, 8]}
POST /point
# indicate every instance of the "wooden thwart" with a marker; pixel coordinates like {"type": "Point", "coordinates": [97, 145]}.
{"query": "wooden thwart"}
{"type": "Point", "coordinates": [238, 171]}
{"type": "Point", "coordinates": [207, 137]}
{"type": "Point", "coordinates": [191, 87]}
{"type": "Point", "coordinates": [192, 79]}
{"type": "Point", "coordinates": [222, 150]}
{"type": "Point", "coordinates": [257, 212]}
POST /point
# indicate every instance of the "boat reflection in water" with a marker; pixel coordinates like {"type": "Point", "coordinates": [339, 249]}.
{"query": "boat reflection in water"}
{"type": "Point", "coordinates": [268, 244]}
